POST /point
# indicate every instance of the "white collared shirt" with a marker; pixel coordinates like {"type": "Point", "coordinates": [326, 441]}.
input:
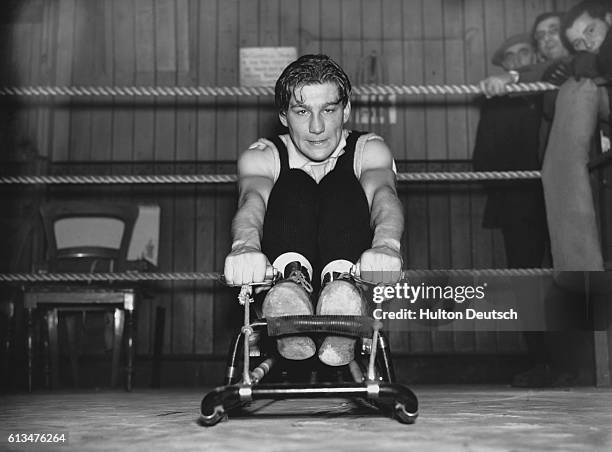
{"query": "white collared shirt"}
{"type": "Point", "coordinates": [318, 170]}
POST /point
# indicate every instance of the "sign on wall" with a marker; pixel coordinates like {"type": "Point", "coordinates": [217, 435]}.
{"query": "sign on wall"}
{"type": "Point", "coordinates": [261, 66]}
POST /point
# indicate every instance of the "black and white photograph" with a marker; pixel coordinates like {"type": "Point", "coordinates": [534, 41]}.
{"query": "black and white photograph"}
{"type": "Point", "coordinates": [297, 225]}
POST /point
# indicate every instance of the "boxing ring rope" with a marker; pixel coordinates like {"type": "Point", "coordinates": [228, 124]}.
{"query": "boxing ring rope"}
{"type": "Point", "coordinates": [447, 176]}
{"type": "Point", "coordinates": [220, 91]}
{"type": "Point", "coordinates": [215, 276]}
{"type": "Point", "coordinates": [213, 91]}
{"type": "Point", "coordinates": [228, 178]}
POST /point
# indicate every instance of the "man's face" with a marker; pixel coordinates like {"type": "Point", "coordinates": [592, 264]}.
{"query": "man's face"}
{"type": "Point", "coordinates": [518, 56]}
{"type": "Point", "coordinates": [548, 39]}
{"type": "Point", "coordinates": [315, 118]}
{"type": "Point", "coordinates": [587, 33]}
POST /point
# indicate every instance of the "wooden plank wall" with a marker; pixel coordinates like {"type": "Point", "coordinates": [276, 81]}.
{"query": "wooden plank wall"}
{"type": "Point", "coordinates": [196, 42]}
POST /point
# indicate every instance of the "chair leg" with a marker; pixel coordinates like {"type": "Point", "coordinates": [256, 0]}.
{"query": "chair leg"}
{"type": "Point", "coordinates": [30, 345]}
{"type": "Point", "coordinates": [130, 348]}
{"type": "Point", "coordinates": [119, 320]}
{"type": "Point", "coordinates": [43, 334]}
{"type": "Point", "coordinates": [73, 348]}
{"type": "Point", "coordinates": [52, 320]}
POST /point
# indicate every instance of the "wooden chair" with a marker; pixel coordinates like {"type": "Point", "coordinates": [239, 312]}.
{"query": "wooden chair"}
{"type": "Point", "coordinates": [83, 237]}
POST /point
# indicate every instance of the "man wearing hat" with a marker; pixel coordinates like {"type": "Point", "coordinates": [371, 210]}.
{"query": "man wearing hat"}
{"type": "Point", "coordinates": [515, 52]}
{"type": "Point", "coordinates": [507, 139]}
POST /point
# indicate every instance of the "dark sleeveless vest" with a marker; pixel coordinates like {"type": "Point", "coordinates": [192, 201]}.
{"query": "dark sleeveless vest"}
{"type": "Point", "coordinates": [325, 221]}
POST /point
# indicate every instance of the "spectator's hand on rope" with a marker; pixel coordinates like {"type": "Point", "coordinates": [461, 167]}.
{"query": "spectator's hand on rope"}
{"type": "Point", "coordinates": [557, 73]}
{"type": "Point", "coordinates": [495, 85]}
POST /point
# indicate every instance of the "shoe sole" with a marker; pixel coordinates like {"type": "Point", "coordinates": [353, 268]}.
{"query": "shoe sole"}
{"type": "Point", "coordinates": [339, 298]}
{"type": "Point", "coordinates": [283, 300]}
{"type": "Point", "coordinates": [337, 351]}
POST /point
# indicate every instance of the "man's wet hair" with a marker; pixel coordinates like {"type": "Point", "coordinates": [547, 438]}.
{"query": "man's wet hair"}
{"type": "Point", "coordinates": [310, 70]}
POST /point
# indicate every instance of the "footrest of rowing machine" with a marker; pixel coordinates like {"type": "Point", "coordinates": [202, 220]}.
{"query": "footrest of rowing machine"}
{"type": "Point", "coordinates": [350, 325]}
{"type": "Point", "coordinates": [217, 403]}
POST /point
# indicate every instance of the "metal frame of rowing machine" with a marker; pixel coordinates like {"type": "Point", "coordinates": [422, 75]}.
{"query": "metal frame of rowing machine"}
{"type": "Point", "coordinates": [383, 392]}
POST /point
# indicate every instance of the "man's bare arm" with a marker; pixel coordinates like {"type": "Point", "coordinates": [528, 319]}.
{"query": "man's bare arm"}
{"type": "Point", "coordinates": [386, 213]}
{"type": "Point", "coordinates": [246, 263]}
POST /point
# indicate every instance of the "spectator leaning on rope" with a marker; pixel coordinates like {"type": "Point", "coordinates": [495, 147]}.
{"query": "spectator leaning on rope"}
{"type": "Point", "coordinates": [552, 66]}
{"type": "Point", "coordinates": [507, 139]}
{"type": "Point", "coordinates": [549, 50]}
{"type": "Point", "coordinates": [575, 242]}
{"type": "Point", "coordinates": [586, 30]}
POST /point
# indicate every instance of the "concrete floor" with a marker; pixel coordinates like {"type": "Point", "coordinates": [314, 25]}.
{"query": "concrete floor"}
{"type": "Point", "coordinates": [464, 418]}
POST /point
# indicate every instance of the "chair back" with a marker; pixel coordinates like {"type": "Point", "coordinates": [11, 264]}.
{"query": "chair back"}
{"type": "Point", "coordinates": [88, 236]}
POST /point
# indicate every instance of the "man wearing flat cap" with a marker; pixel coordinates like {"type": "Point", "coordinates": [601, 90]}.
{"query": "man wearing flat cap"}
{"type": "Point", "coordinates": [515, 52]}
{"type": "Point", "coordinates": [507, 139]}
